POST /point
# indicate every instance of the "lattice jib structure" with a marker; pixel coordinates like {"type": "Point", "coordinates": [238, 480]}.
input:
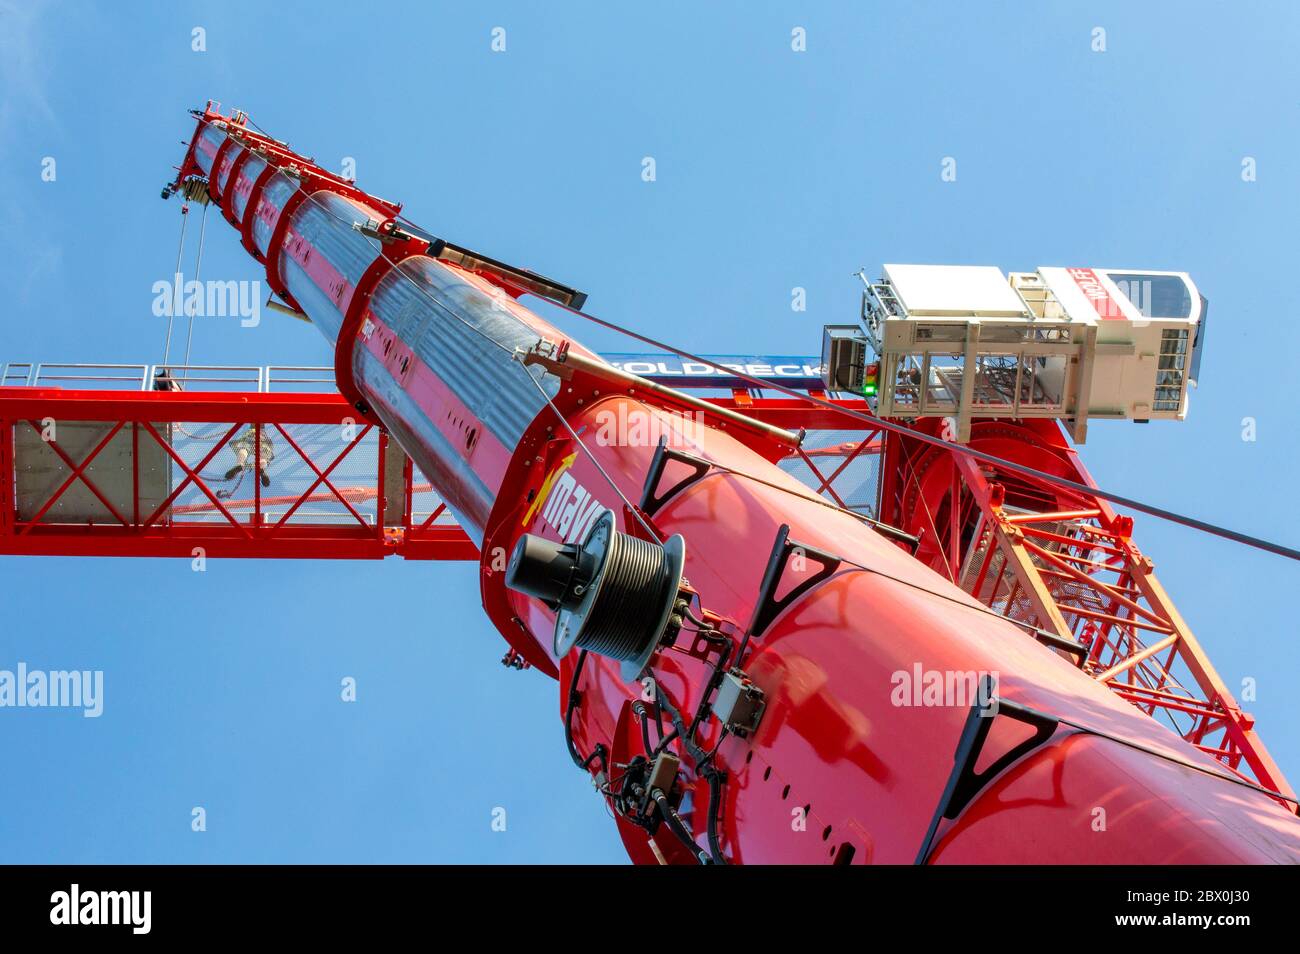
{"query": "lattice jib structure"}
{"type": "Point", "coordinates": [1065, 562]}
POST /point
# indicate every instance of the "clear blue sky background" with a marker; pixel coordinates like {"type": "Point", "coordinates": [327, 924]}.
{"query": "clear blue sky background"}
{"type": "Point", "coordinates": [775, 169]}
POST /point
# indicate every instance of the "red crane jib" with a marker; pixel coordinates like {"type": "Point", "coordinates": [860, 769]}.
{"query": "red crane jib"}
{"type": "Point", "coordinates": [871, 676]}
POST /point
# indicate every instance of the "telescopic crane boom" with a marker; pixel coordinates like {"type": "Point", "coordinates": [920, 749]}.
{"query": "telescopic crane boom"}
{"type": "Point", "coordinates": [749, 672]}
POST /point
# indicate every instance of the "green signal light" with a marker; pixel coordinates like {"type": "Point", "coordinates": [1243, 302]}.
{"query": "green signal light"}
{"type": "Point", "coordinates": [870, 378]}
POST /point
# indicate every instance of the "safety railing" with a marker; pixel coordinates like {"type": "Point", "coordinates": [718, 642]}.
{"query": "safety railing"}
{"type": "Point", "coordinates": [208, 377]}
{"type": "Point", "coordinates": [114, 377]}
{"type": "Point", "coordinates": [163, 377]}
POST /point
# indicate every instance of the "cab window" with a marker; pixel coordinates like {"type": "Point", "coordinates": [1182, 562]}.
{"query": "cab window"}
{"type": "Point", "coordinates": [1155, 296]}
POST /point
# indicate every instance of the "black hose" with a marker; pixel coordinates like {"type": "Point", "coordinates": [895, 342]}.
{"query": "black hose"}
{"type": "Point", "coordinates": [640, 709]}
{"type": "Point", "coordinates": [715, 802]}
{"type": "Point", "coordinates": [597, 753]}
{"type": "Point", "coordinates": [696, 753]}
{"type": "Point", "coordinates": [707, 771]}
{"type": "Point", "coordinates": [678, 827]}
{"type": "Point", "coordinates": [644, 714]}
{"type": "Point", "coordinates": [711, 635]}
{"type": "Point", "coordinates": [663, 742]}
{"type": "Point", "coordinates": [574, 695]}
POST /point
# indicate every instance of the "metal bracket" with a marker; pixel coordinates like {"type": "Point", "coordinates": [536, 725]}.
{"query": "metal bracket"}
{"type": "Point", "coordinates": [521, 278]}
{"type": "Point", "coordinates": [650, 500]}
{"type": "Point", "coordinates": [768, 607]}
{"type": "Point", "coordinates": [1075, 649]}
{"type": "Point", "coordinates": [965, 783]}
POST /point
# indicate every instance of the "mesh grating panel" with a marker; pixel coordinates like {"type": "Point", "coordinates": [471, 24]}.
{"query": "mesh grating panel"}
{"type": "Point", "coordinates": [856, 485]}
{"type": "Point", "coordinates": [424, 501]}
{"type": "Point", "coordinates": [1011, 599]}
{"type": "Point", "coordinates": [232, 473]}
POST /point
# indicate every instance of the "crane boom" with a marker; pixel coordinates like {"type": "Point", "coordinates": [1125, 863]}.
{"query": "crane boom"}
{"type": "Point", "coordinates": [749, 673]}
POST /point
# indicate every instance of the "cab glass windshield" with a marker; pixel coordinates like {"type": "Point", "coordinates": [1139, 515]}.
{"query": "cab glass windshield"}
{"type": "Point", "coordinates": [1155, 296]}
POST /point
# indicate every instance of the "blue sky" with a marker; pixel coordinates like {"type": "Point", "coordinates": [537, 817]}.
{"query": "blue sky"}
{"type": "Point", "coordinates": [775, 169]}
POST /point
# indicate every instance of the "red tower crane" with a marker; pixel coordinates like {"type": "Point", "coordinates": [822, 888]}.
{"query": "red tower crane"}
{"type": "Point", "coordinates": [984, 668]}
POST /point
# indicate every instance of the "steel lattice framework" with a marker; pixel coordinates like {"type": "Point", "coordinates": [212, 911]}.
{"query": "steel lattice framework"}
{"type": "Point", "coordinates": [1049, 557]}
{"type": "Point", "coordinates": [1065, 562]}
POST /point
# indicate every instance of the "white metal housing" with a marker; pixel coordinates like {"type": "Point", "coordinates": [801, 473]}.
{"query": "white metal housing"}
{"type": "Point", "coordinates": [1068, 343]}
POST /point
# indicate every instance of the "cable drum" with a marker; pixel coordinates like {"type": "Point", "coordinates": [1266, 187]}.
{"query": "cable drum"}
{"type": "Point", "coordinates": [630, 596]}
{"type": "Point", "coordinates": [613, 594]}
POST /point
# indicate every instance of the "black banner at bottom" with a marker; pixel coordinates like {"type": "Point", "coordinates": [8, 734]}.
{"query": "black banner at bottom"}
{"type": "Point", "coordinates": [210, 903]}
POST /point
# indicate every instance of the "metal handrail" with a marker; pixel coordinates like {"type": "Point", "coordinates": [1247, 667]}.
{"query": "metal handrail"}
{"type": "Point", "coordinates": [183, 374]}
{"type": "Point", "coordinates": [142, 377]}
{"type": "Point", "coordinates": [11, 372]}
{"type": "Point", "coordinates": [284, 375]}
{"type": "Point", "coordinates": [138, 379]}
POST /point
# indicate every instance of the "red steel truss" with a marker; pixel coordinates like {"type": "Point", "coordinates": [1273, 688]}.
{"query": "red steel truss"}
{"type": "Point", "coordinates": [1048, 557]}
{"type": "Point", "coordinates": [383, 507]}
{"type": "Point", "coordinates": [1066, 563]}
{"type": "Point", "coordinates": [197, 511]}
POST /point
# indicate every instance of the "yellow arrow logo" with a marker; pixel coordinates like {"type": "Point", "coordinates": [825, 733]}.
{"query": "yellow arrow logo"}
{"type": "Point", "coordinates": [547, 484]}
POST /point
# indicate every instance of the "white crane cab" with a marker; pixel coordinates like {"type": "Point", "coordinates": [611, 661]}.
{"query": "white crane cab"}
{"type": "Point", "coordinates": [1067, 343]}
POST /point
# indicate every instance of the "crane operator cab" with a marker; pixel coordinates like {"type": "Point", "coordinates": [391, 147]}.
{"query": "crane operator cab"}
{"type": "Point", "coordinates": [1067, 343]}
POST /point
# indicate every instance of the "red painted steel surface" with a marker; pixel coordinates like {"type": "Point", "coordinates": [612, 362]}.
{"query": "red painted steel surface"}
{"type": "Point", "coordinates": [265, 532]}
{"type": "Point", "coordinates": [178, 536]}
{"type": "Point", "coordinates": [1075, 571]}
{"type": "Point", "coordinates": [870, 771]}
{"type": "Point", "coordinates": [835, 741]}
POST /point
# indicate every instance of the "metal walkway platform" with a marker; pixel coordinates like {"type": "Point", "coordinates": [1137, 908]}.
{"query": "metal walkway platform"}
{"type": "Point", "coordinates": [96, 462]}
